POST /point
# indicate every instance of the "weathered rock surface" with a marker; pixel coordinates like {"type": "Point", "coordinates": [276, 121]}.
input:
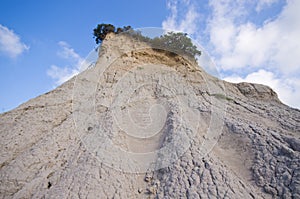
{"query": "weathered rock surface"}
{"type": "Point", "coordinates": [257, 154]}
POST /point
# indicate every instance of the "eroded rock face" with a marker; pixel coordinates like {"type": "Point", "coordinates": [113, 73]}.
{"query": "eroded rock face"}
{"type": "Point", "coordinates": [257, 91]}
{"type": "Point", "coordinates": [257, 154]}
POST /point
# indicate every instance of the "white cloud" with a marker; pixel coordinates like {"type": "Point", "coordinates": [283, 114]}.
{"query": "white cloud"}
{"type": "Point", "coordinates": [238, 45]}
{"type": "Point", "coordinates": [10, 43]}
{"type": "Point", "coordinates": [264, 3]}
{"type": "Point", "coordinates": [286, 88]}
{"type": "Point", "coordinates": [273, 46]}
{"type": "Point", "coordinates": [67, 52]}
{"type": "Point", "coordinates": [242, 40]}
{"type": "Point", "coordinates": [185, 24]}
{"type": "Point", "coordinates": [62, 74]}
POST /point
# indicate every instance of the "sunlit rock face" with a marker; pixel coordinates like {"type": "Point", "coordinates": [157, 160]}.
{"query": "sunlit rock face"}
{"type": "Point", "coordinates": [147, 123]}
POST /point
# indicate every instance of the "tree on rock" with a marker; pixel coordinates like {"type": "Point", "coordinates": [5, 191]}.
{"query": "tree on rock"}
{"type": "Point", "coordinates": [102, 30]}
{"type": "Point", "coordinates": [178, 43]}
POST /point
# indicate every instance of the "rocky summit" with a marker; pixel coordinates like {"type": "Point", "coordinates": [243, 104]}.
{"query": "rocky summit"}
{"type": "Point", "coordinates": [148, 123]}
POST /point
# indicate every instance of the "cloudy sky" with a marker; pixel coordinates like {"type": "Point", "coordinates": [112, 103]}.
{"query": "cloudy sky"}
{"type": "Point", "coordinates": [42, 43]}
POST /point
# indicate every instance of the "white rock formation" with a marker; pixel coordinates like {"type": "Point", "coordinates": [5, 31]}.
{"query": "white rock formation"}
{"type": "Point", "coordinates": [146, 123]}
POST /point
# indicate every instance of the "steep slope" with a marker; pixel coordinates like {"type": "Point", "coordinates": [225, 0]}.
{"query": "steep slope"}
{"type": "Point", "coordinates": [189, 135]}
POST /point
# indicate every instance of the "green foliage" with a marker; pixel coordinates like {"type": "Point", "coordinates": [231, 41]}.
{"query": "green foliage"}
{"type": "Point", "coordinates": [176, 43]}
{"type": "Point", "coordinates": [102, 30]}
{"type": "Point", "coordinates": [221, 96]}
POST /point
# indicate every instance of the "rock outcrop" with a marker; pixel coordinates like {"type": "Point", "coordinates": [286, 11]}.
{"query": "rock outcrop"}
{"type": "Point", "coordinates": [222, 140]}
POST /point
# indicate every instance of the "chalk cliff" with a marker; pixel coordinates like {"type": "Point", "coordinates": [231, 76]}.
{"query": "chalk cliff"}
{"type": "Point", "coordinates": [146, 123]}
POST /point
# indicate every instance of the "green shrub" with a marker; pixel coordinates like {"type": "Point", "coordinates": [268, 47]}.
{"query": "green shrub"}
{"type": "Point", "coordinates": [176, 43]}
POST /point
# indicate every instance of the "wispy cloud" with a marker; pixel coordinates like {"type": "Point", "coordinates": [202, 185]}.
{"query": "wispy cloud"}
{"type": "Point", "coordinates": [244, 49]}
{"type": "Point", "coordinates": [10, 43]}
{"type": "Point", "coordinates": [62, 74]}
{"type": "Point", "coordinates": [68, 53]}
{"type": "Point", "coordinates": [261, 4]}
{"type": "Point", "coordinates": [238, 45]}
{"type": "Point", "coordinates": [183, 20]}
{"type": "Point", "coordinates": [271, 50]}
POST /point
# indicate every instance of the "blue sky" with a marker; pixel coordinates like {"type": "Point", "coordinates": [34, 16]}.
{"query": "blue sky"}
{"type": "Point", "coordinates": [43, 42]}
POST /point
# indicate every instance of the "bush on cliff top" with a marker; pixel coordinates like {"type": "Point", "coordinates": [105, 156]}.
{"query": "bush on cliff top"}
{"type": "Point", "coordinates": [177, 43]}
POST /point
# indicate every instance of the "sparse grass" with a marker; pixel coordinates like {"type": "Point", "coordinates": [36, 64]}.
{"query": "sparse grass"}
{"type": "Point", "coordinates": [220, 96]}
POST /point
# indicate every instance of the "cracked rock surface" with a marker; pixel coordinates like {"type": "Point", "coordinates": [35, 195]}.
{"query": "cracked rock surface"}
{"type": "Point", "coordinates": [257, 154]}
